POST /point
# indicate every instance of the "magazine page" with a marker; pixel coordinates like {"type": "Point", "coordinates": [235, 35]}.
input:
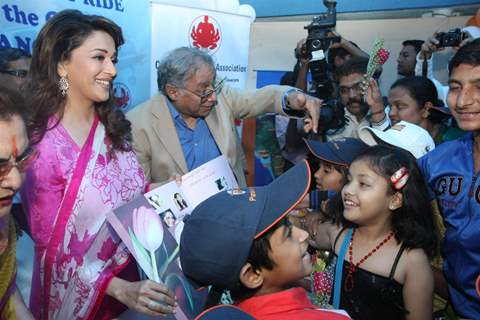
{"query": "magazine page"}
{"type": "Point", "coordinates": [173, 202]}
{"type": "Point", "coordinates": [172, 205]}
{"type": "Point", "coordinates": [207, 180]}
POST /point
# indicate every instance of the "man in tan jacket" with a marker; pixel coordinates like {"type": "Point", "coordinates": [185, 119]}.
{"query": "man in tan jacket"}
{"type": "Point", "coordinates": [192, 120]}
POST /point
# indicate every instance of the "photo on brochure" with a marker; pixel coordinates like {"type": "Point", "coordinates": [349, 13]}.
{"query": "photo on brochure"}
{"type": "Point", "coordinates": [173, 201]}
{"type": "Point", "coordinates": [169, 218]}
{"type": "Point", "coordinates": [222, 184]}
{"type": "Point", "coordinates": [147, 236]}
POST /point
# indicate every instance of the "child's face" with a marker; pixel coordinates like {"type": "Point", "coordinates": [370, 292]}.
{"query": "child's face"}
{"type": "Point", "coordinates": [328, 178]}
{"type": "Point", "coordinates": [289, 254]}
{"type": "Point", "coordinates": [365, 197]}
{"type": "Point", "coordinates": [464, 96]}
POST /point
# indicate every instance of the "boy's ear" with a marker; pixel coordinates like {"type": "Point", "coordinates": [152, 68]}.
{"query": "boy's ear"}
{"type": "Point", "coordinates": [251, 278]}
{"type": "Point", "coordinates": [426, 109]}
{"type": "Point", "coordinates": [396, 201]}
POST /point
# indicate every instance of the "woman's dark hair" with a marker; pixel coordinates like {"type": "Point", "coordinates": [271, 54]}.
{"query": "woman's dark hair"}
{"type": "Point", "coordinates": [422, 90]}
{"type": "Point", "coordinates": [62, 34]}
{"type": "Point", "coordinates": [12, 104]}
{"type": "Point", "coordinates": [467, 54]}
{"type": "Point", "coordinates": [413, 223]}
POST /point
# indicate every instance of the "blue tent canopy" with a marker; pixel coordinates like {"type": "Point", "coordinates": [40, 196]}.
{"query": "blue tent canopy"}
{"type": "Point", "coordinates": [278, 8]}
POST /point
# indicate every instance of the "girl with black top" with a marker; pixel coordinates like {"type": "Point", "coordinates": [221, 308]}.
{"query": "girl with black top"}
{"type": "Point", "coordinates": [388, 234]}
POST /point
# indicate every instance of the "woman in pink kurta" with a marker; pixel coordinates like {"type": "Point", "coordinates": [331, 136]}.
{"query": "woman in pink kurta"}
{"type": "Point", "coordinates": [85, 169]}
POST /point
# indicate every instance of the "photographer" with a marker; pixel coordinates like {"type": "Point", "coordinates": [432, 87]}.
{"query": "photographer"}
{"type": "Point", "coordinates": [360, 110]}
{"type": "Point", "coordinates": [439, 42]}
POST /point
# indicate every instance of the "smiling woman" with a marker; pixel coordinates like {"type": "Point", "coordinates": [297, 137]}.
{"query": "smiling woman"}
{"type": "Point", "coordinates": [85, 169]}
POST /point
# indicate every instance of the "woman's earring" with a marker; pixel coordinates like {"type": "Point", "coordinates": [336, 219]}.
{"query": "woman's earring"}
{"type": "Point", "coordinates": [63, 85]}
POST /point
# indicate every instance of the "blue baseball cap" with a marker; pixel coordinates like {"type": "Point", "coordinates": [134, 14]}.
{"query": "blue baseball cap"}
{"type": "Point", "coordinates": [217, 236]}
{"type": "Point", "coordinates": [224, 311]}
{"type": "Point", "coordinates": [341, 152]}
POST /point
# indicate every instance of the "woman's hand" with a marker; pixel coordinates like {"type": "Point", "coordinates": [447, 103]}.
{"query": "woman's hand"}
{"type": "Point", "coordinates": [146, 296]}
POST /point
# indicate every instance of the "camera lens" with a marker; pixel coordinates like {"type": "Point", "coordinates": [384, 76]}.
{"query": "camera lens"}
{"type": "Point", "coordinates": [316, 44]}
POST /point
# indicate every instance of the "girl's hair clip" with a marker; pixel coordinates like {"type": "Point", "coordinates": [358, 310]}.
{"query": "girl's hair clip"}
{"type": "Point", "coordinates": [399, 178]}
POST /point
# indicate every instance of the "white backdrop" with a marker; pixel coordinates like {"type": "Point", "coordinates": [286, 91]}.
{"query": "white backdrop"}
{"type": "Point", "coordinates": [223, 35]}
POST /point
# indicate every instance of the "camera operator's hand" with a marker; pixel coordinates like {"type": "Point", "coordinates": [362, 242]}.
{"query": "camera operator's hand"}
{"type": "Point", "coordinates": [347, 45]}
{"type": "Point", "coordinates": [374, 100]}
{"type": "Point", "coordinates": [303, 58]}
{"type": "Point", "coordinates": [300, 101]}
{"type": "Point", "coordinates": [301, 52]}
{"type": "Point", "coordinates": [430, 46]}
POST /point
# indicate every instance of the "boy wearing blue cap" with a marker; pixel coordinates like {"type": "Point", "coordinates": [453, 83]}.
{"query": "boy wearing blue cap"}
{"type": "Point", "coordinates": [241, 240]}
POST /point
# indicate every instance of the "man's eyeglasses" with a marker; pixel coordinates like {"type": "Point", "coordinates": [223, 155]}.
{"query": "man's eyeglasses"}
{"type": "Point", "coordinates": [217, 87]}
{"type": "Point", "coordinates": [22, 162]}
{"type": "Point", "coordinates": [357, 88]}
{"type": "Point", "coordinates": [16, 73]}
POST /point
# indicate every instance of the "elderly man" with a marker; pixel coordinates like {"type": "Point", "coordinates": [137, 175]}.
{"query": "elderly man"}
{"type": "Point", "coordinates": [14, 66]}
{"type": "Point", "coordinates": [192, 120]}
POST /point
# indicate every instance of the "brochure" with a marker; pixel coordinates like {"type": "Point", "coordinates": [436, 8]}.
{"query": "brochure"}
{"type": "Point", "coordinates": [173, 202]}
{"type": "Point", "coordinates": [155, 249]}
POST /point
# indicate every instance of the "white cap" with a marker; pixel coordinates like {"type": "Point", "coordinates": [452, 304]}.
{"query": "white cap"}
{"type": "Point", "coordinates": [403, 134]}
{"type": "Point", "coordinates": [473, 32]}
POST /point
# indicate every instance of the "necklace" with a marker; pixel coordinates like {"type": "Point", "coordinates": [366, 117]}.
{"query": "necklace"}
{"type": "Point", "coordinates": [353, 266]}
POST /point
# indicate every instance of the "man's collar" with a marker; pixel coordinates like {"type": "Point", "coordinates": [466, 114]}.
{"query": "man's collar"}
{"type": "Point", "coordinates": [173, 110]}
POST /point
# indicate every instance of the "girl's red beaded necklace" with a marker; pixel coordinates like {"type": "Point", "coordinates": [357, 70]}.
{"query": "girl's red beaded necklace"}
{"type": "Point", "coordinates": [353, 266]}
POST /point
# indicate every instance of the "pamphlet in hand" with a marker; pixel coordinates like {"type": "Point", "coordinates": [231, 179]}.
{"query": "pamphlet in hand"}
{"type": "Point", "coordinates": [173, 202]}
{"type": "Point", "coordinates": [142, 225]}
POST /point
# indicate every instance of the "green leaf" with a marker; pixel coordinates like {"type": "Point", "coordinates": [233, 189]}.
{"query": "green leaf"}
{"type": "Point", "coordinates": [139, 249]}
{"type": "Point", "coordinates": [168, 261]}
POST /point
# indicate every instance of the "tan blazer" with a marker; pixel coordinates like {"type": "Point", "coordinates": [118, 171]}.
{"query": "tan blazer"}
{"type": "Point", "coordinates": [156, 142]}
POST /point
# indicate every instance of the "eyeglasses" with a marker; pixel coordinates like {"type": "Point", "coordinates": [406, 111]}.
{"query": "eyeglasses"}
{"type": "Point", "coordinates": [23, 162]}
{"type": "Point", "coordinates": [16, 73]}
{"type": "Point", "coordinates": [217, 87]}
{"type": "Point", "coordinates": [357, 88]}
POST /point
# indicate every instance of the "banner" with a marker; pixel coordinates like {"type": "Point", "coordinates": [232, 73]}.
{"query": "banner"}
{"type": "Point", "coordinates": [225, 36]}
{"type": "Point", "coordinates": [21, 20]}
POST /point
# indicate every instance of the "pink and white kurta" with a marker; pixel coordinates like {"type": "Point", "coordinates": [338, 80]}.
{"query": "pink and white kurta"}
{"type": "Point", "coordinates": [67, 194]}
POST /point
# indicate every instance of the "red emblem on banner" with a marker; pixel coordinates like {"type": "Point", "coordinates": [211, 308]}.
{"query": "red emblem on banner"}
{"type": "Point", "coordinates": [121, 95]}
{"type": "Point", "coordinates": [205, 34]}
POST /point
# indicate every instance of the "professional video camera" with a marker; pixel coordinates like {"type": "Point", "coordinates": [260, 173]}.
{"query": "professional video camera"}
{"type": "Point", "coordinates": [452, 38]}
{"type": "Point", "coordinates": [319, 39]}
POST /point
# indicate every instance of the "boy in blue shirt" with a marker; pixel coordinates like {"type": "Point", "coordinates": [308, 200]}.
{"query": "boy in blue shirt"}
{"type": "Point", "coordinates": [451, 172]}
